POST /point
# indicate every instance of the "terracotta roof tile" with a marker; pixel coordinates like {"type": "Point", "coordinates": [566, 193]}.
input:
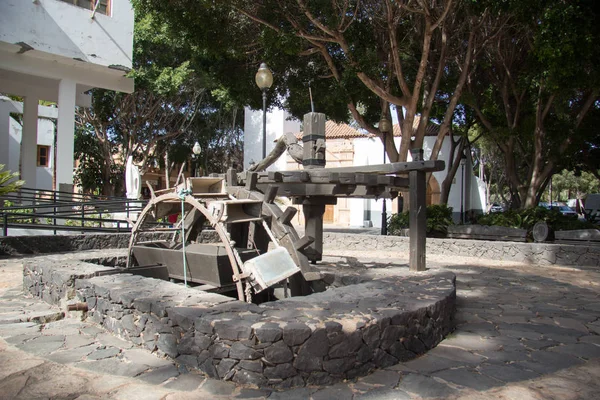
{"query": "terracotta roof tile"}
{"type": "Point", "coordinates": [339, 131]}
{"type": "Point", "coordinates": [431, 130]}
{"type": "Point", "coordinates": [345, 131]}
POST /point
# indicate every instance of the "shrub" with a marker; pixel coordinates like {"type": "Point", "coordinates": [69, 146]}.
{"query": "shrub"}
{"type": "Point", "coordinates": [8, 181]}
{"type": "Point", "coordinates": [438, 218]}
{"type": "Point", "coordinates": [397, 222]}
{"type": "Point", "coordinates": [526, 219]}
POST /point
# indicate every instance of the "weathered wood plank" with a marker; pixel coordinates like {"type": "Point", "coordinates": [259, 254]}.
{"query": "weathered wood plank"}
{"type": "Point", "coordinates": [393, 168]}
{"type": "Point", "coordinates": [328, 189]}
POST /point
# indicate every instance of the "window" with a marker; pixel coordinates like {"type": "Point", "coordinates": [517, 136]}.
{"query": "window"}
{"type": "Point", "coordinates": [43, 156]}
{"type": "Point", "coordinates": [103, 5]}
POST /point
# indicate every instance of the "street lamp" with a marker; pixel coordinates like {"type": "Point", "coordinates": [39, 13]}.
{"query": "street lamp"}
{"type": "Point", "coordinates": [196, 150]}
{"type": "Point", "coordinates": [463, 161]}
{"type": "Point", "coordinates": [384, 127]}
{"type": "Point", "coordinates": [264, 80]}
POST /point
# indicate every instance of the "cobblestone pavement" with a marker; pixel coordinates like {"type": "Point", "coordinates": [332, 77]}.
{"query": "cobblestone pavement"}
{"type": "Point", "coordinates": [523, 332]}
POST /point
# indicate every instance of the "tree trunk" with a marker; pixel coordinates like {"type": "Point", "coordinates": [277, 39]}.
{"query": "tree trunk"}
{"type": "Point", "coordinates": [452, 169]}
{"type": "Point", "coordinates": [167, 170]}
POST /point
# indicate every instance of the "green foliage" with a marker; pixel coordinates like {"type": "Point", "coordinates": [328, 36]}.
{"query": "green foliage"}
{"type": "Point", "coordinates": [89, 173]}
{"type": "Point", "coordinates": [30, 220]}
{"type": "Point", "coordinates": [526, 219]}
{"type": "Point", "coordinates": [397, 222]}
{"type": "Point", "coordinates": [438, 218]}
{"type": "Point", "coordinates": [572, 185]}
{"type": "Point", "coordinates": [9, 182]}
{"type": "Point", "coordinates": [533, 87]}
{"type": "Point", "coordinates": [176, 102]}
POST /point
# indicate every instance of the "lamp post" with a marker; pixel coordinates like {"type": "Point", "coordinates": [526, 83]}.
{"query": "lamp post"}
{"type": "Point", "coordinates": [384, 127]}
{"type": "Point", "coordinates": [463, 160]}
{"type": "Point", "coordinates": [196, 150]}
{"type": "Point", "coordinates": [264, 80]}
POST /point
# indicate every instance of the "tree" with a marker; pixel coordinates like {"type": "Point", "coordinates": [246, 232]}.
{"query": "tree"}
{"type": "Point", "coordinates": [355, 55]}
{"type": "Point", "coordinates": [569, 185]}
{"type": "Point", "coordinates": [534, 87]}
{"type": "Point", "coordinates": [169, 93]}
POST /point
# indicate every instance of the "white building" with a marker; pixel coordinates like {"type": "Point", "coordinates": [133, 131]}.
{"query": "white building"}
{"type": "Point", "coordinates": [45, 162]}
{"type": "Point", "coordinates": [348, 147]}
{"type": "Point", "coordinates": [57, 50]}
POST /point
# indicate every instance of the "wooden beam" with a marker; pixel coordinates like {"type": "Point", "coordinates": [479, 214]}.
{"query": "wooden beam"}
{"type": "Point", "coordinates": [270, 193]}
{"type": "Point", "coordinates": [251, 181]}
{"type": "Point", "coordinates": [303, 243]}
{"type": "Point", "coordinates": [288, 215]}
{"type": "Point", "coordinates": [232, 177]}
{"type": "Point", "coordinates": [392, 168]}
{"type": "Point", "coordinates": [330, 190]}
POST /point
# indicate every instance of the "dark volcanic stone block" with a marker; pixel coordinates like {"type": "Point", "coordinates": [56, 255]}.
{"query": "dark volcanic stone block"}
{"type": "Point", "coordinates": [279, 353]}
{"type": "Point", "coordinates": [383, 359]}
{"type": "Point", "coordinates": [167, 344]}
{"type": "Point", "coordinates": [350, 345]}
{"type": "Point", "coordinates": [281, 371]}
{"type": "Point", "coordinates": [254, 365]}
{"type": "Point", "coordinates": [219, 350]}
{"type": "Point", "coordinates": [339, 365]}
{"type": "Point", "coordinates": [317, 345]}
{"type": "Point", "coordinates": [241, 352]}
{"type": "Point", "coordinates": [413, 344]}
{"type": "Point", "coordinates": [233, 329]}
{"type": "Point", "coordinates": [246, 377]}
{"type": "Point", "coordinates": [308, 363]}
{"type": "Point", "coordinates": [225, 366]}
{"type": "Point", "coordinates": [269, 332]}
{"type": "Point", "coordinates": [372, 335]}
{"type": "Point", "coordinates": [295, 333]}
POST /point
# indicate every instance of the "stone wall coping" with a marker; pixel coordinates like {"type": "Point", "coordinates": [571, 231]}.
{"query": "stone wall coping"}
{"type": "Point", "coordinates": [529, 253]}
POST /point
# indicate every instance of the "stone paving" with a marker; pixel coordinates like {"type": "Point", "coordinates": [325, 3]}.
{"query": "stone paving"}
{"type": "Point", "coordinates": [523, 332]}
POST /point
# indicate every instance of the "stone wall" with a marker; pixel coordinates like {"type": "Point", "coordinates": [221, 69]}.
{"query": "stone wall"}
{"type": "Point", "coordinates": [53, 280]}
{"type": "Point", "coordinates": [20, 245]}
{"type": "Point", "coordinates": [319, 339]}
{"type": "Point", "coordinates": [531, 253]}
{"type": "Point", "coordinates": [23, 245]}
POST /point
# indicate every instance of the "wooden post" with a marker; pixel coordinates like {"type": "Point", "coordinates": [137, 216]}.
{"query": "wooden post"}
{"type": "Point", "coordinates": [313, 139]}
{"type": "Point", "coordinates": [417, 216]}
{"type": "Point", "coordinates": [313, 227]}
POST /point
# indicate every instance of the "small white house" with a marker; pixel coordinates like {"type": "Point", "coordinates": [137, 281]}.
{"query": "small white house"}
{"type": "Point", "coordinates": [57, 50]}
{"type": "Point", "coordinates": [347, 146]}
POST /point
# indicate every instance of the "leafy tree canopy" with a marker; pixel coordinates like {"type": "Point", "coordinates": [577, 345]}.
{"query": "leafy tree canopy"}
{"type": "Point", "coordinates": [536, 89]}
{"type": "Point", "coordinates": [355, 55]}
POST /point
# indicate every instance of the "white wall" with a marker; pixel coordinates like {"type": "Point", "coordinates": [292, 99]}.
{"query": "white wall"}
{"type": "Point", "coordinates": [66, 30]}
{"type": "Point", "coordinates": [10, 138]}
{"type": "Point", "coordinates": [278, 123]}
{"type": "Point", "coordinates": [367, 151]}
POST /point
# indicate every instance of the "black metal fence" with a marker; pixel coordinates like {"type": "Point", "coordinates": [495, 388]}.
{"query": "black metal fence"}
{"type": "Point", "coordinates": [64, 211]}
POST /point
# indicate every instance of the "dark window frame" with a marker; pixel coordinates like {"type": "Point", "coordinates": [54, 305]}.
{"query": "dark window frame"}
{"type": "Point", "coordinates": [41, 157]}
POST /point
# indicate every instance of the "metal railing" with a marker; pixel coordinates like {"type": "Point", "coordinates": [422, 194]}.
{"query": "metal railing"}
{"type": "Point", "coordinates": [65, 211]}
